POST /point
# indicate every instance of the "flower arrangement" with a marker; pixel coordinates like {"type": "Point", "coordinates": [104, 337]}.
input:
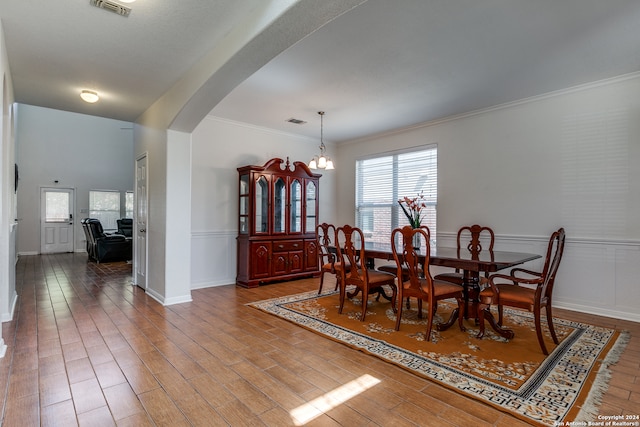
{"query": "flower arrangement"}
{"type": "Point", "coordinates": [412, 208]}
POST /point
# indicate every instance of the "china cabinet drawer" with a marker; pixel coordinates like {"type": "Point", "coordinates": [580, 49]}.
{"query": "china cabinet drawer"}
{"type": "Point", "coordinates": [288, 245]}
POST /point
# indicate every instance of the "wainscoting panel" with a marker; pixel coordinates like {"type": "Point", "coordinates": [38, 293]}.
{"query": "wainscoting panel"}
{"type": "Point", "coordinates": [213, 258]}
{"type": "Point", "coordinates": [602, 277]}
{"type": "Point", "coordinates": [596, 276]}
{"type": "Point", "coordinates": [628, 278]}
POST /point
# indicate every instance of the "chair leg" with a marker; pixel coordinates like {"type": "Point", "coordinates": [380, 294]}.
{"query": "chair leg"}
{"type": "Point", "coordinates": [399, 313]}
{"type": "Point", "coordinates": [394, 298]}
{"type": "Point", "coordinates": [321, 282]}
{"type": "Point", "coordinates": [432, 312]}
{"type": "Point", "coordinates": [419, 308]}
{"type": "Point", "coordinates": [343, 291]}
{"type": "Point", "coordinates": [365, 300]}
{"type": "Point", "coordinates": [536, 316]}
{"type": "Point", "coordinates": [499, 315]}
{"type": "Point", "coordinates": [481, 311]}
{"type": "Point", "coordinates": [461, 304]}
{"type": "Point", "coordinates": [550, 322]}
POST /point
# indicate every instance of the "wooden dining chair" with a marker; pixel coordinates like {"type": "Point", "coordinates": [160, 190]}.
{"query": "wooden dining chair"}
{"type": "Point", "coordinates": [419, 283]}
{"type": "Point", "coordinates": [392, 268]}
{"type": "Point", "coordinates": [476, 234]}
{"type": "Point", "coordinates": [350, 245]}
{"type": "Point", "coordinates": [536, 293]}
{"type": "Point", "coordinates": [327, 254]}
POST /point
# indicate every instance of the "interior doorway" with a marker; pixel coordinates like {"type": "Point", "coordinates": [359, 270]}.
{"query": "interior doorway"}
{"type": "Point", "coordinates": [56, 219]}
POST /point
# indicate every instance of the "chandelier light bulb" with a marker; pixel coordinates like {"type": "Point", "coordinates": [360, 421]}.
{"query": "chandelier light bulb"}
{"type": "Point", "coordinates": [329, 164]}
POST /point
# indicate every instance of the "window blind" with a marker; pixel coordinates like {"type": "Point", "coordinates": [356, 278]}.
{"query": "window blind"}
{"type": "Point", "coordinates": [105, 206]}
{"type": "Point", "coordinates": [383, 180]}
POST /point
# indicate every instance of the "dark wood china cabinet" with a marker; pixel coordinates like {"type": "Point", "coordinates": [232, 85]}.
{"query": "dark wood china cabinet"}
{"type": "Point", "coordinates": [278, 214]}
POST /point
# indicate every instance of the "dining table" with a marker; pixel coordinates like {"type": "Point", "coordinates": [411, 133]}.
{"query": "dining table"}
{"type": "Point", "coordinates": [471, 263]}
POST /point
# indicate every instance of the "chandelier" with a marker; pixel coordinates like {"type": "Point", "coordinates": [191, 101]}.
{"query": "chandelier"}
{"type": "Point", "coordinates": [321, 161]}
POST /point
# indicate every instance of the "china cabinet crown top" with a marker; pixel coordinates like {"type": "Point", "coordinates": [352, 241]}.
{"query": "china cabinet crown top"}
{"type": "Point", "coordinates": [275, 166]}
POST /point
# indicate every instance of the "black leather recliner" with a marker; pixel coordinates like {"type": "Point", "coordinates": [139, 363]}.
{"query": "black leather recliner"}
{"type": "Point", "coordinates": [102, 247]}
{"type": "Point", "coordinates": [125, 227]}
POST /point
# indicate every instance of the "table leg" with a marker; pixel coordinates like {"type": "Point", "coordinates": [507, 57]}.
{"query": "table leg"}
{"type": "Point", "coordinates": [487, 315]}
{"type": "Point", "coordinates": [452, 319]}
{"type": "Point", "coordinates": [381, 293]}
{"type": "Point", "coordinates": [471, 294]}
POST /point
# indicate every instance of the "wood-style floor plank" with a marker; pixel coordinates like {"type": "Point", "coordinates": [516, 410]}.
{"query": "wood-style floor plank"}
{"type": "Point", "coordinates": [88, 348]}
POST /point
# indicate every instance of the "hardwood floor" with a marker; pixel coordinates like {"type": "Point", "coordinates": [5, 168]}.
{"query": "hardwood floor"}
{"type": "Point", "coordinates": [87, 348]}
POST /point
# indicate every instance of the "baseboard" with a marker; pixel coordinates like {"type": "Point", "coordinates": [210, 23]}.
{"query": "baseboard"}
{"type": "Point", "coordinates": [7, 317]}
{"type": "Point", "coordinates": [168, 301]}
{"type": "Point", "coordinates": [598, 311]}
{"type": "Point", "coordinates": [204, 285]}
{"type": "Point", "coordinates": [28, 253]}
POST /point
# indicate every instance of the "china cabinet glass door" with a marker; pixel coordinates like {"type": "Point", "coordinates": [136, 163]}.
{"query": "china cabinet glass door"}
{"type": "Point", "coordinates": [295, 226]}
{"type": "Point", "coordinates": [279, 205]}
{"type": "Point", "coordinates": [244, 204]}
{"type": "Point", "coordinates": [310, 211]}
{"type": "Point", "coordinates": [262, 205]}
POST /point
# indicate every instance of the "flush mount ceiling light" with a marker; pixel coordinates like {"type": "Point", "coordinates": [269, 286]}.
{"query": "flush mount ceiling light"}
{"type": "Point", "coordinates": [89, 96]}
{"type": "Point", "coordinates": [112, 6]}
{"type": "Point", "coordinates": [321, 161]}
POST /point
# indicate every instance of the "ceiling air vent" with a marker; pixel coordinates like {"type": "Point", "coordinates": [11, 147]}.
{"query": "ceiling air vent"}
{"type": "Point", "coordinates": [111, 6]}
{"type": "Point", "coordinates": [296, 121]}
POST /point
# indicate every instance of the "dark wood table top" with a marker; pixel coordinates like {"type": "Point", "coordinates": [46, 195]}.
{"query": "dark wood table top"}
{"type": "Point", "coordinates": [463, 259]}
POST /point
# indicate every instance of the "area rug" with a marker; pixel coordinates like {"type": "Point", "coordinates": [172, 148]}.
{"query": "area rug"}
{"type": "Point", "coordinates": [511, 375]}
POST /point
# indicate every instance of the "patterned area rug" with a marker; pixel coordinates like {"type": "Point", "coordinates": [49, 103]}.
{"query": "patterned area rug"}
{"type": "Point", "coordinates": [513, 376]}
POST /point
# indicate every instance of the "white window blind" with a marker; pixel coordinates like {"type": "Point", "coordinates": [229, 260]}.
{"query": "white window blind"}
{"type": "Point", "coordinates": [105, 206]}
{"type": "Point", "coordinates": [128, 203]}
{"type": "Point", "coordinates": [382, 181]}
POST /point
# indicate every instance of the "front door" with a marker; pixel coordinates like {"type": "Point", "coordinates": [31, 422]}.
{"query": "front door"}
{"type": "Point", "coordinates": [56, 218]}
{"type": "Point", "coordinates": [141, 222]}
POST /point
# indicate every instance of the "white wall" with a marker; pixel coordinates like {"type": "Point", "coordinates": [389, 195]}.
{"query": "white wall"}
{"type": "Point", "coordinates": [79, 151]}
{"type": "Point", "coordinates": [179, 217]}
{"type": "Point", "coordinates": [568, 159]}
{"type": "Point", "coordinates": [8, 294]}
{"type": "Point", "coordinates": [218, 148]}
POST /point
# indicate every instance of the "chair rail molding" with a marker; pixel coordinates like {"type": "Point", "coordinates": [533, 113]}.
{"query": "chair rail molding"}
{"type": "Point", "coordinates": [596, 276]}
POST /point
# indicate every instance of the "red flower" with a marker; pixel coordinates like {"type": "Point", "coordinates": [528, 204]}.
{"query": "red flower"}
{"type": "Point", "coordinates": [413, 209]}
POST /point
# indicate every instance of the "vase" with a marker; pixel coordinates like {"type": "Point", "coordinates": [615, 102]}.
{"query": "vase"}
{"type": "Point", "coordinates": [416, 241]}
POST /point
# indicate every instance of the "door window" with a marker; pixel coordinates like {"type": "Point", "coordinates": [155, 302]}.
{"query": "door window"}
{"type": "Point", "coordinates": [56, 207]}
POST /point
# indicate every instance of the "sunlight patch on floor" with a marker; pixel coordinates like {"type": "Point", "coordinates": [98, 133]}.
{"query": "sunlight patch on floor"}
{"type": "Point", "coordinates": [320, 405]}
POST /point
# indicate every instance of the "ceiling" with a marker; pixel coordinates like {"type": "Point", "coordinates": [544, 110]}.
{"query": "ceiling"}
{"type": "Point", "coordinates": [381, 66]}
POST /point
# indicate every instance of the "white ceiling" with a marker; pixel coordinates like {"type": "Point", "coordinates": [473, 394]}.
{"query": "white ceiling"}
{"type": "Point", "coordinates": [381, 66]}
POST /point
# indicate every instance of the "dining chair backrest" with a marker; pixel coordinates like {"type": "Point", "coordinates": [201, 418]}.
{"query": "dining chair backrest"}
{"type": "Point", "coordinates": [325, 236]}
{"type": "Point", "coordinates": [412, 265]}
{"type": "Point", "coordinates": [476, 235]}
{"type": "Point", "coordinates": [555, 249]}
{"type": "Point", "coordinates": [350, 246]}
